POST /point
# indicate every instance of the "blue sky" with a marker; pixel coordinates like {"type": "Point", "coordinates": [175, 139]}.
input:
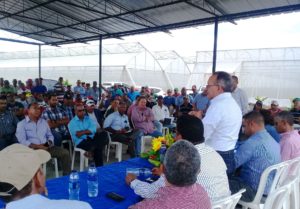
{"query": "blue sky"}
{"type": "Point", "coordinates": [265, 32]}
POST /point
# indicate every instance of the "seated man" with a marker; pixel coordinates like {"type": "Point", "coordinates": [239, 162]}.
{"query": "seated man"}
{"type": "Point", "coordinates": [112, 108]}
{"type": "Point", "coordinates": [94, 114]}
{"type": "Point", "coordinates": [15, 107]}
{"type": "Point", "coordinates": [186, 107]}
{"type": "Point", "coordinates": [181, 168]}
{"type": "Point", "coordinates": [68, 106]}
{"type": "Point", "coordinates": [83, 132]}
{"type": "Point", "coordinates": [8, 125]}
{"type": "Point", "coordinates": [257, 153]}
{"type": "Point", "coordinates": [34, 132]}
{"type": "Point", "coordinates": [57, 120]}
{"type": "Point", "coordinates": [160, 111]}
{"type": "Point", "coordinates": [290, 138]}
{"type": "Point", "coordinates": [169, 101]}
{"type": "Point", "coordinates": [274, 108]}
{"type": "Point", "coordinates": [213, 175]}
{"type": "Point", "coordinates": [296, 110]}
{"type": "Point", "coordinates": [22, 181]}
{"type": "Point", "coordinates": [142, 117]}
{"type": "Point", "coordinates": [118, 125]}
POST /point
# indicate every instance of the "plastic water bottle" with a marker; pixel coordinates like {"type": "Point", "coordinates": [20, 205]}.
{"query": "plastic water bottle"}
{"type": "Point", "coordinates": [162, 152]}
{"type": "Point", "coordinates": [92, 181]}
{"type": "Point", "coordinates": [74, 186]}
{"type": "Point", "coordinates": [141, 173]}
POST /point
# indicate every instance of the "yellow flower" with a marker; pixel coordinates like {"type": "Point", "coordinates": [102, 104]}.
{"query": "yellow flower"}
{"type": "Point", "coordinates": [156, 144]}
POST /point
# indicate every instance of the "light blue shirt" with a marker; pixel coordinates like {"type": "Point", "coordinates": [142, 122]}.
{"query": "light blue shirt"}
{"type": "Point", "coordinates": [179, 100]}
{"type": "Point", "coordinates": [80, 90]}
{"type": "Point", "coordinates": [30, 132]}
{"type": "Point", "coordinates": [201, 102]}
{"type": "Point", "coordinates": [132, 95]}
{"type": "Point", "coordinates": [79, 125]}
{"type": "Point", "coordinates": [116, 121]}
{"type": "Point", "coordinates": [255, 155]}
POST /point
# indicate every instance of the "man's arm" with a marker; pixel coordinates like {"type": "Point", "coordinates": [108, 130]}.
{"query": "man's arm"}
{"type": "Point", "coordinates": [244, 152]}
{"type": "Point", "coordinates": [21, 134]}
{"type": "Point", "coordinates": [146, 190]}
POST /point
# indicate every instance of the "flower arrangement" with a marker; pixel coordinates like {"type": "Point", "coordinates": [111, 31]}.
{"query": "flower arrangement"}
{"type": "Point", "coordinates": [153, 155]}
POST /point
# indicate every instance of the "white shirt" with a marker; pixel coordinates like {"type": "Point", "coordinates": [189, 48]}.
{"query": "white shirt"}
{"type": "Point", "coordinates": [37, 201]}
{"type": "Point", "coordinates": [242, 100]}
{"type": "Point", "coordinates": [222, 122]}
{"type": "Point", "coordinates": [93, 117]}
{"type": "Point", "coordinates": [160, 113]}
{"type": "Point", "coordinates": [212, 177]}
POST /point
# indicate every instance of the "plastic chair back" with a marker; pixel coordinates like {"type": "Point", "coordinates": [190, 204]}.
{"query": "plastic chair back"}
{"type": "Point", "coordinates": [228, 202]}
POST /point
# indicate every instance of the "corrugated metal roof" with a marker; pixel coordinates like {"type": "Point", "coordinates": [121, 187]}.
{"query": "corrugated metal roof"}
{"type": "Point", "coordinates": [59, 22]}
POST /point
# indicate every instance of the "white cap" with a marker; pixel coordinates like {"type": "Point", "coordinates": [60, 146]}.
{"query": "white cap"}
{"type": "Point", "coordinates": [19, 164]}
{"type": "Point", "coordinates": [274, 102]}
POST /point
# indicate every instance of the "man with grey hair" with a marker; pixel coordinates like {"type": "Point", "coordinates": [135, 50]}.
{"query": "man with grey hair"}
{"type": "Point", "coordinates": [289, 138]}
{"type": "Point", "coordinates": [223, 119]}
{"type": "Point", "coordinates": [181, 167]}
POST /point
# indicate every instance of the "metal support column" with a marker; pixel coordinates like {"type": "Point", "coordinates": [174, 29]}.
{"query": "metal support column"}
{"type": "Point", "coordinates": [40, 55]}
{"type": "Point", "coordinates": [215, 45]}
{"type": "Point", "coordinates": [100, 65]}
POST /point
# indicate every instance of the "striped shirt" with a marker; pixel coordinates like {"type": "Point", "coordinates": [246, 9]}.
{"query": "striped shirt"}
{"type": "Point", "coordinates": [212, 177]}
{"type": "Point", "coordinates": [55, 114]}
{"type": "Point", "coordinates": [172, 197]}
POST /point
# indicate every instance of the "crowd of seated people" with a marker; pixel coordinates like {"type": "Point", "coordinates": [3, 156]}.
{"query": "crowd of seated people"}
{"type": "Point", "coordinates": [235, 145]}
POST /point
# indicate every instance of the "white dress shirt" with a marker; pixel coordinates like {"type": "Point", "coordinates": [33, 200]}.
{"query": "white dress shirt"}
{"type": "Point", "coordinates": [37, 201]}
{"type": "Point", "coordinates": [160, 113]}
{"type": "Point", "coordinates": [242, 100]}
{"type": "Point", "coordinates": [212, 177]}
{"type": "Point", "coordinates": [222, 122]}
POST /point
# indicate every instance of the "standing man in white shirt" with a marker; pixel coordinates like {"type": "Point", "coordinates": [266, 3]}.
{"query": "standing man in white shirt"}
{"type": "Point", "coordinates": [22, 181]}
{"type": "Point", "coordinates": [239, 95]}
{"type": "Point", "coordinates": [223, 119]}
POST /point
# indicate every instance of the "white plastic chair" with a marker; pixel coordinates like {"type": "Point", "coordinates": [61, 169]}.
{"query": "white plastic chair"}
{"type": "Point", "coordinates": [143, 139]}
{"type": "Point", "coordinates": [84, 161]}
{"type": "Point", "coordinates": [279, 170]}
{"type": "Point", "coordinates": [228, 202]}
{"type": "Point", "coordinates": [118, 148]}
{"type": "Point", "coordinates": [70, 144]}
{"type": "Point", "coordinates": [291, 177]}
{"type": "Point", "coordinates": [165, 131]}
{"type": "Point", "coordinates": [54, 161]}
{"type": "Point", "coordinates": [278, 199]}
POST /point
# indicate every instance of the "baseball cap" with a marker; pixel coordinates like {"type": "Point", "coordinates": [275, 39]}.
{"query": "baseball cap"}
{"type": "Point", "coordinates": [90, 102]}
{"type": "Point", "coordinates": [19, 164]}
{"type": "Point", "coordinates": [274, 102]}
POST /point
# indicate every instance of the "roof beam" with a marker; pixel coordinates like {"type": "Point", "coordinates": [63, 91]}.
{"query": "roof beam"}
{"type": "Point", "coordinates": [118, 15]}
{"type": "Point", "coordinates": [22, 32]}
{"type": "Point", "coordinates": [201, 8]}
{"type": "Point", "coordinates": [71, 17]}
{"type": "Point", "coordinates": [190, 23]}
{"type": "Point", "coordinates": [219, 9]}
{"type": "Point", "coordinates": [139, 16]}
{"type": "Point", "coordinates": [28, 9]}
{"type": "Point", "coordinates": [99, 12]}
{"type": "Point", "coordinates": [20, 41]}
{"type": "Point", "coordinates": [44, 21]}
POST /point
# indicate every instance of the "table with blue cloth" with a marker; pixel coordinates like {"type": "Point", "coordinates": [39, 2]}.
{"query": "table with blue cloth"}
{"type": "Point", "coordinates": [111, 179]}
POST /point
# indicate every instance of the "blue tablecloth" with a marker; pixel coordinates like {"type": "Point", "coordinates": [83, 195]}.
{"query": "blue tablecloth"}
{"type": "Point", "coordinates": [111, 179]}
